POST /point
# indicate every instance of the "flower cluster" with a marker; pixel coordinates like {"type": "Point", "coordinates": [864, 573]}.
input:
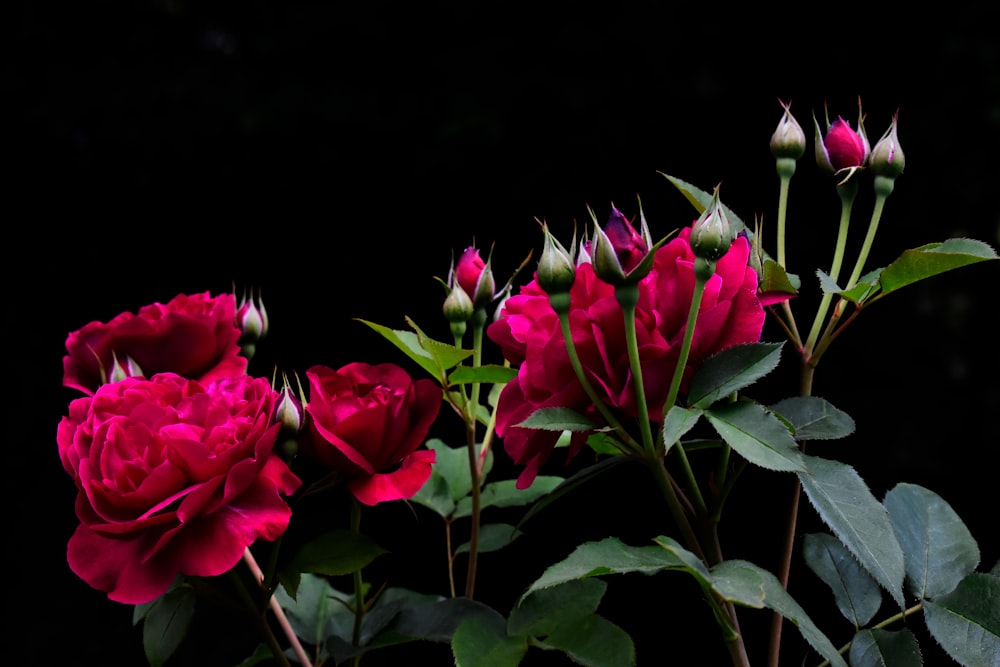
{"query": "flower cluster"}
{"type": "Point", "coordinates": [187, 464]}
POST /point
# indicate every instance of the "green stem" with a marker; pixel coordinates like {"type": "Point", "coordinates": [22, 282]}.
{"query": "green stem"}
{"type": "Point", "coordinates": [478, 324]}
{"type": "Point", "coordinates": [689, 475]}
{"type": "Point", "coordinates": [707, 269]}
{"type": "Point", "coordinates": [785, 168]}
{"type": "Point", "coordinates": [359, 592]}
{"type": "Point", "coordinates": [847, 192]}
{"type": "Point", "coordinates": [883, 188]}
{"type": "Point", "coordinates": [725, 611]}
{"type": "Point", "coordinates": [470, 581]}
{"type": "Point", "coordinates": [628, 297]}
{"type": "Point", "coordinates": [889, 621]}
{"type": "Point", "coordinates": [560, 304]}
{"type": "Point", "coordinates": [704, 270]}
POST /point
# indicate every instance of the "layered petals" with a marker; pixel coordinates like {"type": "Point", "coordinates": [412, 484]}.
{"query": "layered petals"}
{"type": "Point", "coordinates": [173, 477]}
{"type": "Point", "coordinates": [366, 423]}
{"type": "Point", "coordinates": [195, 336]}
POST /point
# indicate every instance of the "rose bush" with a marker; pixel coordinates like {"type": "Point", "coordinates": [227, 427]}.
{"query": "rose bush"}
{"type": "Point", "coordinates": [366, 423]}
{"type": "Point", "coordinates": [528, 332]}
{"type": "Point", "coordinates": [193, 335]}
{"type": "Point", "coordinates": [173, 477]}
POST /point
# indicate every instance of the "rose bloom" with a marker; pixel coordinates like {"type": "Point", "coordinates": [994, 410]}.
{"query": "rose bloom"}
{"type": "Point", "coordinates": [366, 423]}
{"type": "Point", "coordinates": [173, 477]}
{"type": "Point", "coordinates": [195, 336]}
{"type": "Point", "coordinates": [530, 336]}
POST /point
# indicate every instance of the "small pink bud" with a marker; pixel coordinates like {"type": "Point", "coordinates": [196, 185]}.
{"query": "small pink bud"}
{"type": "Point", "coordinates": [842, 148]}
{"type": "Point", "coordinates": [251, 318]}
{"type": "Point", "coordinates": [475, 276]}
{"type": "Point", "coordinates": [289, 410]}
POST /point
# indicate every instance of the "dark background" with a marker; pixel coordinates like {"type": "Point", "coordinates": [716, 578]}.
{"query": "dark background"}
{"type": "Point", "coordinates": [336, 156]}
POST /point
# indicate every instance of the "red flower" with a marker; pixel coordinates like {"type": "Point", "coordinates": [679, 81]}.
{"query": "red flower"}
{"type": "Point", "coordinates": [367, 423]}
{"type": "Point", "coordinates": [195, 336]}
{"type": "Point", "coordinates": [173, 477]}
{"type": "Point", "coordinates": [529, 334]}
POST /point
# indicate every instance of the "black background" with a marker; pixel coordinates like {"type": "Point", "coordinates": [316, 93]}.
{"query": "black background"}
{"type": "Point", "coordinates": [335, 159]}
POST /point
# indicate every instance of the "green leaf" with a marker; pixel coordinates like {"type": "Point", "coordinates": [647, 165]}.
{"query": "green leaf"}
{"type": "Point", "coordinates": [730, 370]}
{"type": "Point", "coordinates": [558, 419]}
{"type": "Point", "coordinates": [757, 435]}
{"type": "Point", "coordinates": [860, 522]}
{"type": "Point", "coordinates": [318, 610]}
{"type": "Point", "coordinates": [166, 624]}
{"type": "Point", "coordinates": [433, 356]}
{"type": "Point", "coordinates": [337, 552]}
{"type": "Point", "coordinates": [938, 547]}
{"type": "Point", "coordinates": [932, 259]}
{"type": "Point", "coordinates": [436, 620]}
{"type": "Point", "coordinates": [966, 622]}
{"type": "Point", "coordinates": [608, 556]}
{"type": "Point", "coordinates": [679, 421]}
{"type": "Point", "coordinates": [377, 627]}
{"type": "Point", "coordinates": [702, 200]}
{"type": "Point", "coordinates": [493, 537]}
{"type": "Point", "coordinates": [261, 655]}
{"type": "Point", "coordinates": [506, 494]}
{"type": "Point", "coordinates": [747, 584]}
{"type": "Point", "coordinates": [483, 642]}
{"type": "Point", "coordinates": [863, 289]}
{"type": "Point", "coordinates": [541, 612]}
{"type": "Point", "coordinates": [885, 648]}
{"type": "Point", "coordinates": [450, 480]}
{"type": "Point", "coordinates": [775, 280]}
{"type": "Point", "coordinates": [857, 595]}
{"type": "Point", "coordinates": [594, 641]}
{"type": "Point", "coordinates": [814, 418]}
{"type": "Point", "coordinates": [487, 374]}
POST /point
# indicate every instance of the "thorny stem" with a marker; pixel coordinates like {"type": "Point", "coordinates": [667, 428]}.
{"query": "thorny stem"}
{"type": "Point", "coordinates": [279, 615]}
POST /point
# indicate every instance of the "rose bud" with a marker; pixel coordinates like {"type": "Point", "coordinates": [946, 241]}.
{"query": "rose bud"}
{"type": "Point", "coordinates": [556, 271]}
{"type": "Point", "coordinates": [842, 148]}
{"type": "Point", "coordinates": [712, 233]}
{"type": "Point", "coordinates": [475, 277]}
{"type": "Point", "coordinates": [887, 156]}
{"type": "Point", "coordinates": [788, 140]}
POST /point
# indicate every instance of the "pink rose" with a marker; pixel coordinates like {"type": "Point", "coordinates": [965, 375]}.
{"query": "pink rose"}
{"type": "Point", "coordinates": [367, 423]}
{"type": "Point", "coordinates": [529, 335]}
{"type": "Point", "coordinates": [195, 336]}
{"type": "Point", "coordinates": [174, 477]}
